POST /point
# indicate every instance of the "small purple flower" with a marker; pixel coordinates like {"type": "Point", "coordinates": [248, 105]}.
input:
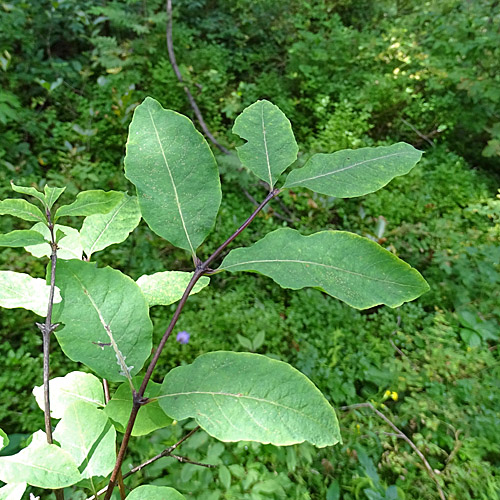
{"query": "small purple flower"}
{"type": "Point", "coordinates": [183, 337]}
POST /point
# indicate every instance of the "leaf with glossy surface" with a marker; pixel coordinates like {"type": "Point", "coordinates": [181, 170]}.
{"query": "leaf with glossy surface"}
{"type": "Point", "coordinates": [354, 172]}
{"type": "Point", "coordinates": [87, 435]}
{"type": "Point", "coordinates": [351, 268]}
{"type": "Point", "coordinates": [270, 146]}
{"type": "Point", "coordinates": [21, 290]}
{"type": "Point", "coordinates": [151, 416]}
{"type": "Point", "coordinates": [40, 464]}
{"type": "Point", "coordinates": [167, 287]}
{"type": "Point", "coordinates": [101, 230]}
{"type": "Point", "coordinates": [175, 174]}
{"type": "Point", "coordinates": [106, 319]}
{"type": "Point", "coordinates": [90, 203]}
{"type": "Point", "coordinates": [52, 194]}
{"type": "Point", "coordinates": [21, 209]}
{"type": "Point", "coordinates": [69, 246]}
{"type": "Point", "coordinates": [12, 491]}
{"type": "Point", "coordinates": [21, 238]}
{"type": "Point", "coordinates": [250, 397]}
{"type": "Point", "coordinates": [74, 387]}
{"type": "Point", "coordinates": [30, 191]}
{"type": "Point", "coordinates": [155, 493]}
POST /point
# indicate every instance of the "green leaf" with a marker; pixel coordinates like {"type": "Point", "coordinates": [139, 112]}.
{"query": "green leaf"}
{"type": "Point", "coordinates": [40, 464]}
{"type": "Point", "coordinates": [250, 397]}
{"type": "Point", "coordinates": [52, 194]}
{"type": "Point", "coordinates": [167, 287]}
{"type": "Point", "coordinates": [13, 491]}
{"type": "Point", "coordinates": [87, 435]}
{"type": "Point", "coordinates": [155, 493]}
{"type": "Point", "coordinates": [21, 209]}
{"type": "Point", "coordinates": [4, 439]}
{"type": "Point", "coordinates": [101, 230]}
{"type": "Point", "coordinates": [106, 320]}
{"type": "Point", "coordinates": [271, 145]}
{"type": "Point", "coordinates": [175, 174]}
{"type": "Point", "coordinates": [21, 290]}
{"type": "Point", "coordinates": [74, 387]}
{"type": "Point", "coordinates": [90, 203]}
{"type": "Point", "coordinates": [350, 173]}
{"type": "Point", "coordinates": [151, 416]}
{"type": "Point", "coordinates": [30, 191]}
{"type": "Point", "coordinates": [69, 246]}
{"type": "Point", "coordinates": [21, 238]}
{"type": "Point", "coordinates": [353, 269]}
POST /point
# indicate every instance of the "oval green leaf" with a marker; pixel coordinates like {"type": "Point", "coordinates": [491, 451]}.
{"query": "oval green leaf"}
{"type": "Point", "coordinates": [21, 209]}
{"type": "Point", "coordinates": [155, 493]}
{"type": "Point", "coordinates": [250, 397]}
{"type": "Point", "coordinates": [106, 319]}
{"type": "Point", "coordinates": [344, 265]}
{"type": "Point", "coordinates": [270, 146]}
{"type": "Point", "coordinates": [167, 287]}
{"type": "Point", "coordinates": [101, 230]}
{"type": "Point", "coordinates": [90, 203]}
{"type": "Point", "coordinates": [40, 464]}
{"type": "Point", "coordinates": [21, 238]}
{"type": "Point", "coordinates": [151, 416]}
{"type": "Point", "coordinates": [175, 174]}
{"type": "Point", "coordinates": [73, 387]}
{"type": "Point", "coordinates": [350, 173]}
{"type": "Point", "coordinates": [87, 435]}
{"type": "Point", "coordinates": [4, 439]}
{"type": "Point", "coordinates": [21, 290]}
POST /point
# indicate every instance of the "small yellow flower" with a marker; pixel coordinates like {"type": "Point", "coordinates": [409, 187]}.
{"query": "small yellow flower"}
{"type": "Point", "coordinates": [387, 394]}
{"type": "Point", "coordinates": [394, 395]}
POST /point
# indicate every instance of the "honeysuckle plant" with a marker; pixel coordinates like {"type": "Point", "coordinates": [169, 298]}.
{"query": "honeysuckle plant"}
{"type": "Point", "coordinates": [100, 316]}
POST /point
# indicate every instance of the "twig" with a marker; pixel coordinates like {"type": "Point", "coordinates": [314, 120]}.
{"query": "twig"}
{"type": "Point", "coordinates": [165, 453]}
{"type": "Point", "coordinates": [47, 328]}
{"type": "Point", "coordinates": [203, 268]}
{"type": "Point", "coordinates": [422, 136]}
{"type": "Point", "coordinates": [403, 436]}
{"type": "Point", "coordinates": [256, 203]}
{"type": "Point", "coordinates": [178, 74]}
{"type": "Point", "coordinates": [186, 460]}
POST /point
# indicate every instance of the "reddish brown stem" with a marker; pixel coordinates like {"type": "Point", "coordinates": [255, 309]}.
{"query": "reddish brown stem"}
{"type": "Point", "coordinates": [138, 397]}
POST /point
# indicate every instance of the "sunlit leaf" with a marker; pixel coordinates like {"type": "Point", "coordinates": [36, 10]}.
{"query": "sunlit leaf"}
{"type": "Point", "coordinates": [21, 290]}
{"type": "Point", "coordinates": [68, 247]}
{"type": "Point", "coordinates": [40, 464]}
{"type": "Point", "coordinates": [155, 493]}
{"type": "Point", "coordinates": [73, 387]}
{"type": "Point", "coordinates": [167, 287]}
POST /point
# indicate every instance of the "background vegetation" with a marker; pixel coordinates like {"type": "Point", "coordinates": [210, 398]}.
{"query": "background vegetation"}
{"type": "Point", "coordinates": [348, 74]}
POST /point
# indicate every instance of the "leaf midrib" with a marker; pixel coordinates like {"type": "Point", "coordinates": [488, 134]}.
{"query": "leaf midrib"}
{"type": "Point", "coordinates": [296, 261]}
{"type": "Point", "coordinates": [172, 181]}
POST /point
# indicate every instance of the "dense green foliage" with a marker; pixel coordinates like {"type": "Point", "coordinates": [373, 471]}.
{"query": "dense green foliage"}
{"type": "Point", "coordinates": [347, 74]}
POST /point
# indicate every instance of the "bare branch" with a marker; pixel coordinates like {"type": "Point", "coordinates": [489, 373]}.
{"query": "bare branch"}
{"type": "Point", "coordinates": [178, 74]}
{"type": "Point", "coordinates": [402, 435]}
